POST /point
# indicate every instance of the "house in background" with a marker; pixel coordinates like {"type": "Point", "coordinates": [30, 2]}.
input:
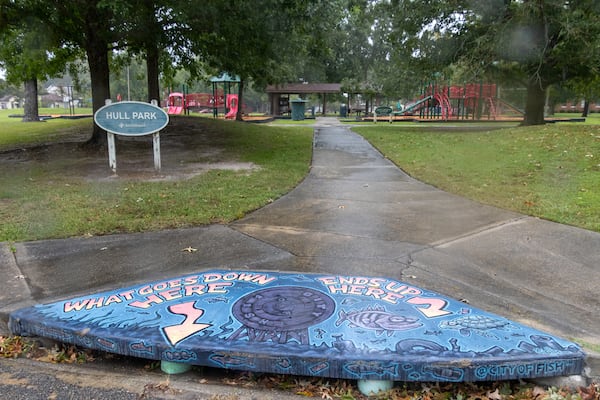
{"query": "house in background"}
{"type": "Point", "coordinates": [9, 102]}
{"type": "Point", "coordinates": [59, 96]}
{"type": "Point", "coordinates": [52, 100]}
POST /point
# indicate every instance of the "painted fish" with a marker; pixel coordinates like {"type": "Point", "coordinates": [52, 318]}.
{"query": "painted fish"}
{"type": "Point", "coordinates": [476, 323]}
{"type": "Point", "coordinates": [446, 374]}
{"type": "Point", "coordinates": [141, 347]}
{"type": "Point", "coordinates": [106, 343]}
{"type": "Point", "coordinates": [319, 367]}
{"type": "Point", "coordinates": [217, 300]}
{"type": "Point", "coordinates": [378, 319]}
{"type": "Point", "coordinates": [362, 369]}
{"type": "Point", "coordinates": [231, 361]}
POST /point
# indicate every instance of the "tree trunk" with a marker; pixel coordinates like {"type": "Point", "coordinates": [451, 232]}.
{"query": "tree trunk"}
{"type": "Point", "coordinates": [239, 114]}
{"type": "Point", "coordinates": [550, 104]}
{"type": "Point", "coordinates": [97, 54]}
{"type": "Point", "coordinates": [30, 108]}
{"type": "Point", "coordinates": [152, 70]}
{"type": "Point", "coordinates": [586, 108]}
{"type": "Point", "coordinates": [536, 101]}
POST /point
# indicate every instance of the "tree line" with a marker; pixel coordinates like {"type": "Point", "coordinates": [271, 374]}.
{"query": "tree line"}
{"type": "Point", "coordinates": [382, 46]}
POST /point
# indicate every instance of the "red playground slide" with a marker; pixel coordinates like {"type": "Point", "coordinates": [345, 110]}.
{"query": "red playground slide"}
{"type": "Point", "coordinates": [232, 104]}
{"type": "Point", "coordinates": [174, 110]}
{"type": "Point", "coordinates": [175, 103]}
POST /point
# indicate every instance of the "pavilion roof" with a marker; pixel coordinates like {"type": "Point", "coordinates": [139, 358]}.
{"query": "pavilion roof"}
{"type": "Point", "coordinates": [300, 88]}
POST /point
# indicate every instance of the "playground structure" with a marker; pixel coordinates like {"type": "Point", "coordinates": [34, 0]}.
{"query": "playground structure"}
{"type": "Point", "coordinates": [180, 103]}
{"type": "Point", "coordinates": [220, 98]}
{"type": "Point", "coordinates": [472, 101]}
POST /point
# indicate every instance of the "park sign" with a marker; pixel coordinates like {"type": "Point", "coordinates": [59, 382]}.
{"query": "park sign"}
{"type": "Point", "coordinates": [131, 118]}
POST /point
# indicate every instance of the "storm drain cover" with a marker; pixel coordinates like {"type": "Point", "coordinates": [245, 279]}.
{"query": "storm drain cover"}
{"type": "Point", "coordinates": [352, 327]}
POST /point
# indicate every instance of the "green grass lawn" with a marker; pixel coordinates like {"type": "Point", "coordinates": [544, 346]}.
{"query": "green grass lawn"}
{"type": "Point", "coordinates": [591, 119]}
{"type": "Point", "coordinates": [51, 200]}
{"type": "Point", "coordinates": [549, 171]}
{"type": "Point", "coordinates": [16, 133]}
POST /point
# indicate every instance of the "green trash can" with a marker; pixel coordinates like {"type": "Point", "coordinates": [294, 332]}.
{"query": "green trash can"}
{"type": "Point", "coordinates": [343, 111]}
{"type": "Point", "coordinates": [298, 109]}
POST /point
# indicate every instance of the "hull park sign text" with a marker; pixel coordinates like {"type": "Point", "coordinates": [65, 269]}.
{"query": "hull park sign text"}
{"type": "Point", "coordinates": [131, 118]}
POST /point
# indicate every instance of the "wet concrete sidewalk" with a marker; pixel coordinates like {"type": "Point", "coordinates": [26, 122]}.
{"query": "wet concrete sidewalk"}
{"type": "Point", "coordinates": [357, 214]}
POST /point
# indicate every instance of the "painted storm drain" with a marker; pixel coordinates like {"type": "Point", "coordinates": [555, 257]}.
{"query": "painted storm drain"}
{"type": "Point", "coordinates": [304, 324]}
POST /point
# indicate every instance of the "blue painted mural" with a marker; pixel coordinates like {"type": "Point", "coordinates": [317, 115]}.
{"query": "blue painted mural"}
{"type": "Point", "coordinates": [304, 324]}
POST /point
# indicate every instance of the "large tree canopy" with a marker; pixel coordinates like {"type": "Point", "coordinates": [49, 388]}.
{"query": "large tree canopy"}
{"type": "Point", "coordinates": [536, 42]}
{"type": "Point", "coordinates": [265, 41]}
{"type": "Point", "coordinates": [85, 25]}
{"type": "Point", "coordinates": [389, 45]}
{"type": "Point", "coordinates": [30, 53]}
{"type": "Point", "coordinates": [23, 54]}
{"type": "Point", "coordinates": [256, 40]}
